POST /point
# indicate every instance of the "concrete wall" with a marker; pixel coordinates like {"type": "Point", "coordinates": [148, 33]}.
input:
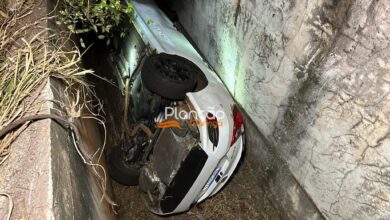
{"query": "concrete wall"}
{"type": "Point", "coordinates": [75, 191]}
{"type": "Point", "coordinates": [314, 78]}
{"type": "Point", "coordinates": [25, 174]}
{"type": "Point", "coordinates": [44, 174]}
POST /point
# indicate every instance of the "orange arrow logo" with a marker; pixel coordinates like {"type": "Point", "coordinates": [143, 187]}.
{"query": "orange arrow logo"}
{"type": "Point", "coordinates": [168, 124]}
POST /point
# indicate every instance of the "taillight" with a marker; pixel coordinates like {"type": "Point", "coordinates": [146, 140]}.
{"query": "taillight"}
{"type": "Point", "coordinates": [238, 123]}
{"type": "Point", "coordinates": [212, 128]}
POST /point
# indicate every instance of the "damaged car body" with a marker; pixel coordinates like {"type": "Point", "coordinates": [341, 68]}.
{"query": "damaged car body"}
{"type": "Point", "coordinates": [186, 132]}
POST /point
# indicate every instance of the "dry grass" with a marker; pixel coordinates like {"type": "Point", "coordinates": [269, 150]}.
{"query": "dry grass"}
{"type": "Point", "coordinates": [26, 62]}
{"type": "Point", "coordinates": [242, 198]}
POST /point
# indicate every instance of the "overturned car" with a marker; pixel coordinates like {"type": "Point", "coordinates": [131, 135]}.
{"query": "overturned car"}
{"type": "Point", "coordinates": [187, 134]}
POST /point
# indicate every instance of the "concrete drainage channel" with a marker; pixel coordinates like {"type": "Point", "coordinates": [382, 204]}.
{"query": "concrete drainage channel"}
{"type": "Point", "coordinates": [59, 184]}
{"type": "Point", "coordinates": [257, 190]}
{"type": "Point", "coordinates": [303, 160]}
{"type": "Point", "coordinates": [243, 197]}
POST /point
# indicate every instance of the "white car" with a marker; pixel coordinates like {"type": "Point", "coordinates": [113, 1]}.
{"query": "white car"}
{"type": "Point", "coordinates": [187, 134]}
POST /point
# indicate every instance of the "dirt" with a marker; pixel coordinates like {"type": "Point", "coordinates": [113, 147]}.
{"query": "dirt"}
{"type": "Point", "coordinates": [242, 198]}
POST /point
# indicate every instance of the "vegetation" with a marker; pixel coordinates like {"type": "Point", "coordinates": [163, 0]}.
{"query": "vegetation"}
{"type": "Point", "coordinates": [29, 56]}
{"type": "Point", "coordinates": [25, 66]}
{"type": "Point", "coordinates": [107, 18]}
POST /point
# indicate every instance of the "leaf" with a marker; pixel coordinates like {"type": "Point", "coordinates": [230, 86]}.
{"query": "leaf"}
{"type": "Point", "coordinates": [104, 17]}
{"type": "Point", "coordinates": [81, 3]}
{"type": "Point", "coordinates": [103, 3]}
{"type": "Point", "coordinates": [129, 9]}
{"type": "Point", "coordinates": [149, 21]}
{"type": "Point", "coordinates": [70, 27]}
{"type": "Point", "coordinates": [82, 42]}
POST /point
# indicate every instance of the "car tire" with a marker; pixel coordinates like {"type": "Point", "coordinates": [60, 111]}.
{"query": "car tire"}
{"type": "Point", "coordinates": [121, 172]}
{"type": "Point", "coordinates": [169, 76]}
